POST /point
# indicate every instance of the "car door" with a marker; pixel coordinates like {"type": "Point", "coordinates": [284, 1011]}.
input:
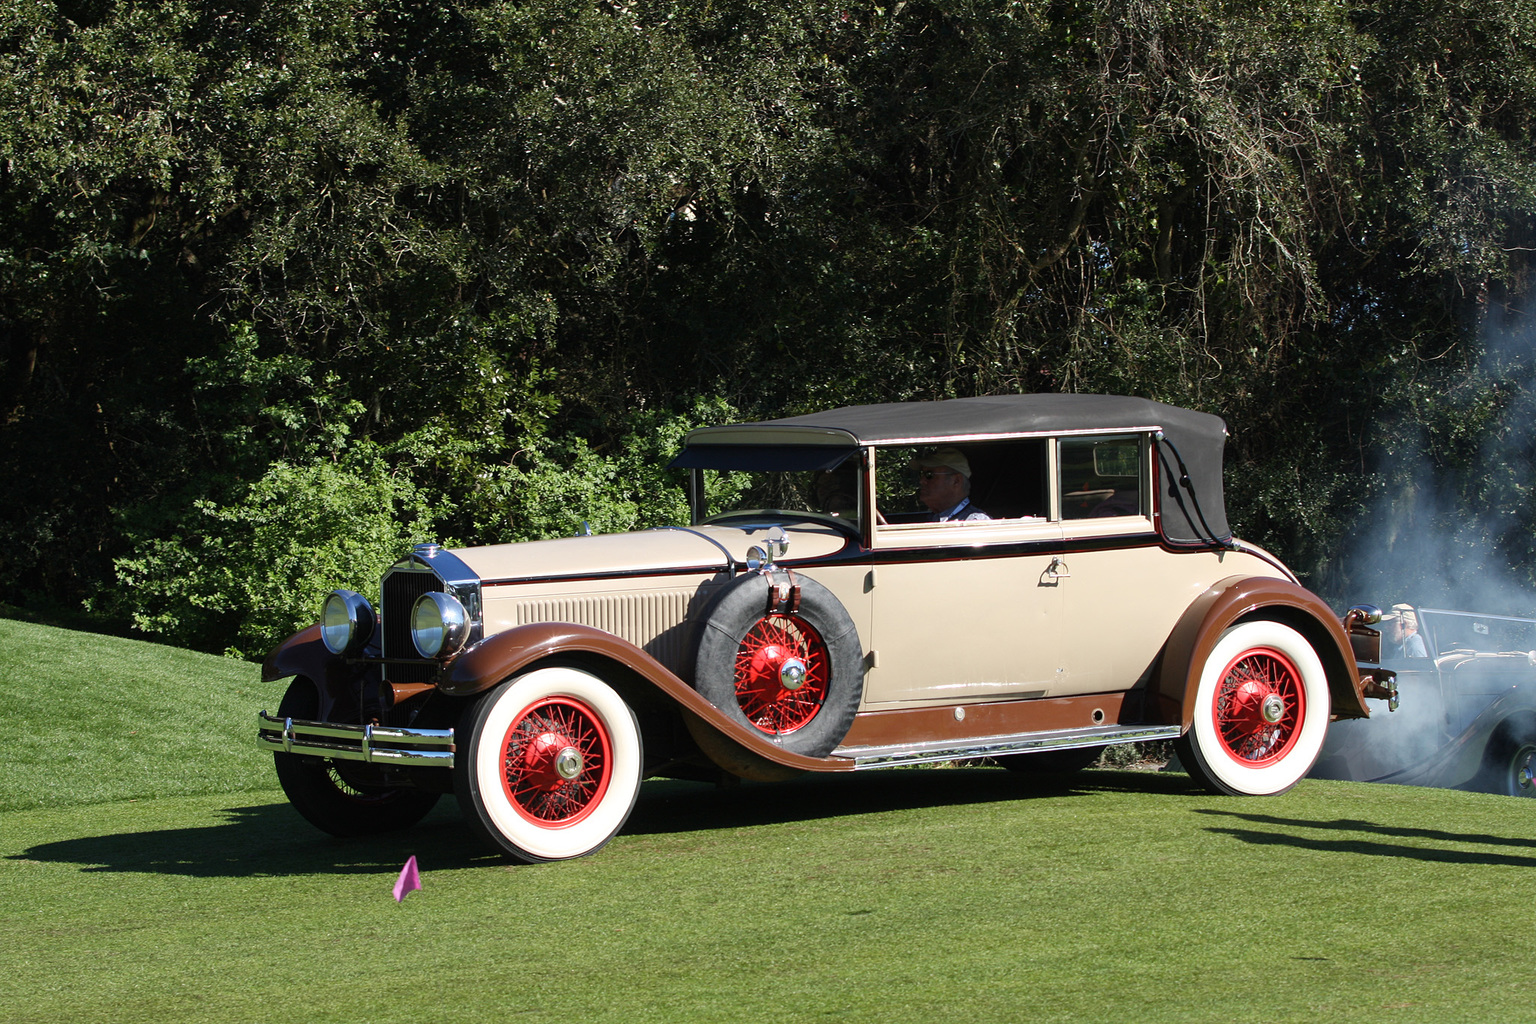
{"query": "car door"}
{"type": "Point", "coordinates": [968, 611]}
{"type": "Point", "coordinates": [1122, 591]}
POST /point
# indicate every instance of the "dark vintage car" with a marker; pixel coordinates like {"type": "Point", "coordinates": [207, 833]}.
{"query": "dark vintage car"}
{"type": "Point", "coordinates": [1028, 578]}
{"type": "Point", "coordinates": [1468, 716]}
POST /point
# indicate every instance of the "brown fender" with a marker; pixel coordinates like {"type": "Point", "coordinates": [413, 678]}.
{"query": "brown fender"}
{"type": "Point", "coordinates": [497, 658]}
{"type": "Point", "coordinates": [302, 654]}
{"type": "Point", "coordinates": [1244, 598]}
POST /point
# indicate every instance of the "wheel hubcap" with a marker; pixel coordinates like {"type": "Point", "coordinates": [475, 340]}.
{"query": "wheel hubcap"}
{"type": "Point", "coordinates": [781, 674]}
{"type": "Point", "coordinates": [1524, 775]}
{"type": "Point", "coordinates": [1259, 708]}
{"type": "Point", "coordinates": [568, 763]}
{"type": "Point", "coordinates": [556, 762]}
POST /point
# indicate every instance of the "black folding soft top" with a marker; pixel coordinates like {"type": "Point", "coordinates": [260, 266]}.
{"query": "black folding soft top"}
{"type": "Point", "coordinates": [1190, 453]}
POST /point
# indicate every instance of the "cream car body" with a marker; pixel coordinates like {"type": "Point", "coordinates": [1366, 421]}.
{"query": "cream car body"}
{"type": "Point", "coordinates": [839, 629]}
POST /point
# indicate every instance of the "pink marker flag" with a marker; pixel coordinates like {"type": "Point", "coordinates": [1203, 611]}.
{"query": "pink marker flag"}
{"type": "Point", "coordinates": [409, 880]}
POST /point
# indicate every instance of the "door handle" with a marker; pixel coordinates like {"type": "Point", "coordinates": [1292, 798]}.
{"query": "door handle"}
{"type": "Point", "coordinates": [1057, 570]}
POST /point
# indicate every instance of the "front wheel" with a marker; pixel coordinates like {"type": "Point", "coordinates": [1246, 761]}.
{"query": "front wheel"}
{"type": "Point", "coordinates": [548, 764]}
{"type": "Point", "coordinates": [1261, 712]}
{"type": "Point", "coordinates": [337, 796]}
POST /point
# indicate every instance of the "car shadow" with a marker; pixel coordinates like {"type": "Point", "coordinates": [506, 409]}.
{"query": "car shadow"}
{"type": "Point", "coordinates": [272, 840]}
{"type": "Point", "coordinates": [268, 840]}
{"type": "Point", "coordinates": [1295, 836]}
{"type": "Point", "coordinates": [697, 807]}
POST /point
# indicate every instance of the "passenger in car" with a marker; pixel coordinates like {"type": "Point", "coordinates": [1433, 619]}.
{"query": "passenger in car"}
{"type": "Point", "coordinates": [944, 486]}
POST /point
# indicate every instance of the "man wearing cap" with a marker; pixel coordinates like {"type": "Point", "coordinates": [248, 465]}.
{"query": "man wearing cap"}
{"type": "Point", "coordinates": [944, 485]}
{"type": "Point", "coordinates": [1403, 633]}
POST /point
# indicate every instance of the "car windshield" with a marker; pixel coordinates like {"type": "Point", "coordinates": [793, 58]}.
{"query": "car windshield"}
{"type": "Point", "coordinates": [820, 493]}
{"type": "Point", "coordinates": [1483, 634]}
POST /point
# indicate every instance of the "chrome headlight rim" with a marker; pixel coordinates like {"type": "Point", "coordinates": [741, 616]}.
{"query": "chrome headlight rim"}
{"type": "Point", "coordinates": [439, 625]}
{"type": "Point", "coordinates": [346, 622]}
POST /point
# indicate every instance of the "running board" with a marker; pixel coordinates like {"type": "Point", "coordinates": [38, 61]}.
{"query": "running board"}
{"type": "Point", "coordinates": [895, 754]}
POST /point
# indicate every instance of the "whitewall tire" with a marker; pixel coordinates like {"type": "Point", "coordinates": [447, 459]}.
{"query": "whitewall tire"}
{"type": "Point", "coordinates": [1261, 711]}
{"type": "Point", "coordinates": [548, 764]}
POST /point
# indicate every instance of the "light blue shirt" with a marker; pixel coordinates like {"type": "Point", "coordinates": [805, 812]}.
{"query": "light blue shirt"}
{"type": "Point", "coordinates": [963, 512]}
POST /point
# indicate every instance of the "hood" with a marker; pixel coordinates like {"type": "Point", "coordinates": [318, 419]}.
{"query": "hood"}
{"type": "Point", "coordinates": [667, 549]}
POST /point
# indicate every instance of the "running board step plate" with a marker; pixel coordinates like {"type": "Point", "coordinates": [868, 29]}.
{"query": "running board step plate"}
{"type": "Point", "coordinates": [892, 755]}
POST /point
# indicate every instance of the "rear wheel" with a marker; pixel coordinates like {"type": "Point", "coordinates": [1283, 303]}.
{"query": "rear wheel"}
{"type": "Point", "coordinates": [1261, 712]}
{"type": "Point", "coordinates": [337, 796]}
{"type": "Point", "coordinates": [1508, 765]}
{"type": "Point", "coordinates": [548, 764]}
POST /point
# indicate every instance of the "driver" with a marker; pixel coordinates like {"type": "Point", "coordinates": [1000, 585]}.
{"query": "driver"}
{"type": "Point", "coordinates": [1403, 633]}
{"type": "Point", "coordinates": [944, 486]}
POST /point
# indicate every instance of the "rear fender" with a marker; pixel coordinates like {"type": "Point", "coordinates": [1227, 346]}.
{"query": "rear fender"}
{"type": "Point", "coordinates": [1248, 598]}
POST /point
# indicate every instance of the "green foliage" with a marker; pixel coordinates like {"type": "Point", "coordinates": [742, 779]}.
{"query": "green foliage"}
{"type": "Point", "coordinates": [500, 254]}
{"type": "Point", "coordinates": [252, 571]}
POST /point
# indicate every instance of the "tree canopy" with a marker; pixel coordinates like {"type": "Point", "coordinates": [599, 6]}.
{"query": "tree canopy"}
{"type": "Point", "coordinates": [286, 286]}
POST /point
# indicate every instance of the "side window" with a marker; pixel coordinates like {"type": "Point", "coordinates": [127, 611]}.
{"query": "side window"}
{"type": "Point", "coordinates": [1003, 479]}
{"type": "Point", "coordinates": [1101, 476]}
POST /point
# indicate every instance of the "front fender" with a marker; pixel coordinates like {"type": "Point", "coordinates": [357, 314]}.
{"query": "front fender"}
{"type": "Point", "coordinates": [302, 654]}
{"type": "Point", "coordinates": [1240, 598]}
{"type": "Point", "coordinates": [499, 657]}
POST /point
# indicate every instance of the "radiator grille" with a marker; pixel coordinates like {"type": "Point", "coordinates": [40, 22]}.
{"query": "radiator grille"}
{"type": "Point", "coordinates": [398, 597]}
{"type": "Point", "coordinates": [653, 622]}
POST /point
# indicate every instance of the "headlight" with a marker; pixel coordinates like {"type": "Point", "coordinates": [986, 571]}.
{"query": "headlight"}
{"type": "Point", "coordinates": [439, 624]}
{"type": "Point", "coordinates": [346, 622]}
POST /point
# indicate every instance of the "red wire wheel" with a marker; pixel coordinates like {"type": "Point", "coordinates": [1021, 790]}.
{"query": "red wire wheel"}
{"type": "Point", "coordinates": [1259, 707]}
{"type": "Point", "coordinates": [781, 674]}
{"type": "Point", "coordinates": [557, 762]}
{"type": "Point", "coordinates": [1260, 711]}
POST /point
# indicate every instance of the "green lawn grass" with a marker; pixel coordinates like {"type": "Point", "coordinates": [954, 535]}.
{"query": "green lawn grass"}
{"type": "Point", "coordinates": [951, 894]}
{"type": "Point", "coordinates": [92, 719]}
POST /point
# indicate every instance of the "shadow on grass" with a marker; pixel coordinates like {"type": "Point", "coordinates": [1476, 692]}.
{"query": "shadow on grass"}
{"type": "Point", "coordinates": [272, 840]}
{"type": "Point", "coordinates": [268, 840]}
{"type": "Point", "coordinates": [667, 807]}
{"type": "Point", "coordinates": [1373, 848]}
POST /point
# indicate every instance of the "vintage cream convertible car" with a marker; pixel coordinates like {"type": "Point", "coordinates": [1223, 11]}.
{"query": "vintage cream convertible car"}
{"type": "Point", "coordinates": [815, 618]}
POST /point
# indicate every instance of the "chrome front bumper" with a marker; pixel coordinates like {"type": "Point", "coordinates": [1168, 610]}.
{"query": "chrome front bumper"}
{"type": "Point", "coordinates": [376, 744]}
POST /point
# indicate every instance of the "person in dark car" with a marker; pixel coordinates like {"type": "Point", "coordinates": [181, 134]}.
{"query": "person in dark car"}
{"type": "Point", "coordinates": [1402, 634]}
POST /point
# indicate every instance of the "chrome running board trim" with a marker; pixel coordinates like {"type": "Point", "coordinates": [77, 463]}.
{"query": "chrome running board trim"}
{"type": "Point", "coordinates": [376, 744]}
{"type": "Point", "coordinates": [999, 746]}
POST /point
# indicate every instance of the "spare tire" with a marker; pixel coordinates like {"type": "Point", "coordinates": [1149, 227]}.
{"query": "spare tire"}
{"type": "Point", "coordinates": [794, 674]}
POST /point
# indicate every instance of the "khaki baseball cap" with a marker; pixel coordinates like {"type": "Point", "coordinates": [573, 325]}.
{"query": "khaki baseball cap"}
{"type": "Point", "coordinates": [948, 458]}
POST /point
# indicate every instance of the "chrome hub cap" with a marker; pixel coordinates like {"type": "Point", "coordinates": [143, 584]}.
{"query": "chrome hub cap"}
{"type": "Point", "coordinates": [1273, 708]}
{"type": "Point", "coordinates": [792, 674]}
{"type": "Point", "coordinates": [568, 763]}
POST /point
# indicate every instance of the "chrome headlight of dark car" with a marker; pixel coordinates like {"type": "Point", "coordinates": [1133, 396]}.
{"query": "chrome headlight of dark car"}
{"type": "Point", "coordinates": [439, 624]}
{"type": "Point", "coordinates": [346, 622]}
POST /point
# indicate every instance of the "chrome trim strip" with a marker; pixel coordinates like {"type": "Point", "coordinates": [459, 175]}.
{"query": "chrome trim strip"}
{"type": "Point", "coordinates": [941, 439]}
{"type": "Point", "coordinates": [998, 746]}
{"type": "Point", "coordinates": [375, 744]}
